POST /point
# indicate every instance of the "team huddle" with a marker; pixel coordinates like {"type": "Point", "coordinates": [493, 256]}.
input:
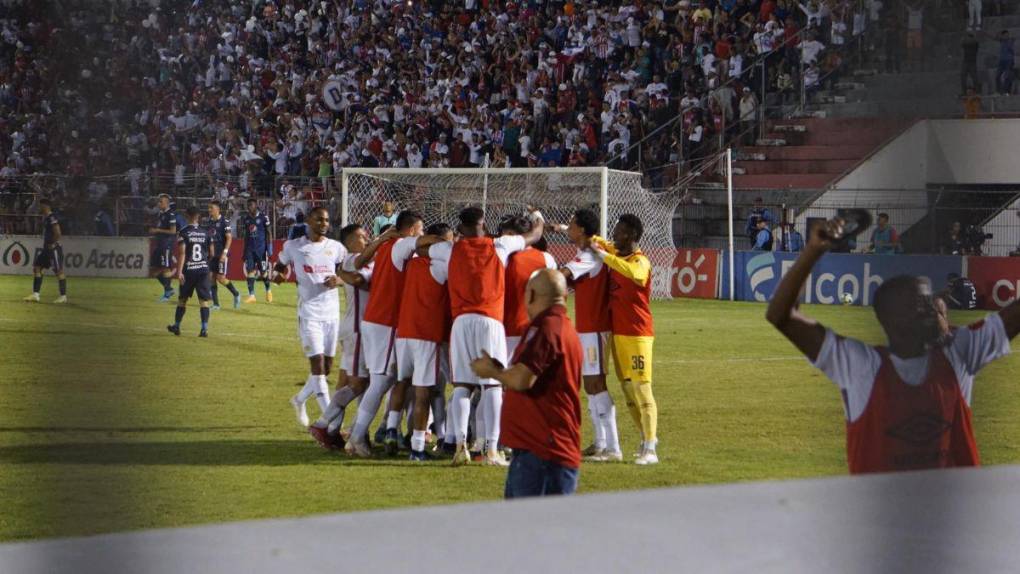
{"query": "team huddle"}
{"type": "Point", "coordinates": [424, 305]}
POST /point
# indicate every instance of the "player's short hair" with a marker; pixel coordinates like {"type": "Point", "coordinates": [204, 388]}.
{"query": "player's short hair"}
{"type": "Point", "coordinates": [883, 216]}
{"type": "Point", "coordinates": [192, 212]}
{"type": "Point", "coordinates": [633, 223]}
{"type": "Point", "coordinates": [163, 195]}
{"type": "Point", "coordinates": [587, 220]}
{"type": "Point", "coordinates": [514, 224]}
{"type": "Point", "coordinates": [888, 294]}
{"type": "Point", "coordinates": [314, 209]}
{"type": "Point", "coordinates": [252, 200]}
{"type": "Point", "coordinates": [407, 218]}
{"type": "Point", "coordinates": [347, 231]}
{"type": "Point", "coordinates": [216, 202]}
{"type": "Point", "coordinates": [438, 229]}
{"type": "Point", "coordinates": [471, 216]}
{"type": "Point", "coordinates": [385, 228]}
{"type": "Point", "coordinates": [541, 244]}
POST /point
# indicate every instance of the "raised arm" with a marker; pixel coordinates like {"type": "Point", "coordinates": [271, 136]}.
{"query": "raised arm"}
{"type": "Point", "coordinates": [369, 252]}
{"type": "Point", "coordinates": [805, 333]}
{"type": "Point", "coordinates": [537, 228]}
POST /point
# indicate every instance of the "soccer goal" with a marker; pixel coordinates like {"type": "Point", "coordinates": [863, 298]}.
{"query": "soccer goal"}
{"type": "Point", "coordinates": [440, 193]}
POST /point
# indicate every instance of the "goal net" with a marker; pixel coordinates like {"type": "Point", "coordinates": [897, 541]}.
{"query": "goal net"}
{"type": "Point", "coordinates": [440, 193]}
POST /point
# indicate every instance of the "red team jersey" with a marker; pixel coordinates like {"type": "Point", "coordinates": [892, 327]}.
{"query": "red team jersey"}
{"type": "Point", "coordinates": [387, 284]}
{"type": "Point", "coordinates": [518, 271]}
{"type": "Point", "coordinates": [908, 427]}
{"type": "Point", "coordinates": [630, 305]}
{"type": "Point", "coordinates": [477, 278]}
{"type": "Point", "coordinates": [591, 302]}
{"type": "Point", "coordinates": [423, 302]}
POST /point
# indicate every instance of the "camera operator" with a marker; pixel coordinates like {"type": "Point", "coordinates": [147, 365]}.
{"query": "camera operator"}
{"type": "Point", "coordinates": [973, 238]}
{"type": "Point", "coordinates": [954, 243]}
{"type": "Point", "coordinates": [959, 293]}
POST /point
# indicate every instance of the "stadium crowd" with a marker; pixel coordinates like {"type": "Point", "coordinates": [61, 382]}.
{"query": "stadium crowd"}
{"type": "Point", "coordinates": [236, 89]}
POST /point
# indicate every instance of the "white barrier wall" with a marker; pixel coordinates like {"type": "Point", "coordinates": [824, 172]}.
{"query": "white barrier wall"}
{"type": "Point", "coordinates": [973, 151]}
{"type": "Point", "coordinates": [83, 256]}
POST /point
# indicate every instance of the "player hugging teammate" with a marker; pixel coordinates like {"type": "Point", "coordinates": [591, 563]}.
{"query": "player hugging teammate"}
{"type": "Point", "coordinates": [436, 303]}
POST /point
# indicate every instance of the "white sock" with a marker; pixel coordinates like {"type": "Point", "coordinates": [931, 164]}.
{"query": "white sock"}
{"type": "Point", "coordinates": [393, 420]}
{"type": "Point", "coordinates": [481, 422]}
{"type": "Point", "coordinates": [461, 412]}
{"type": "Point", "coordinates": [369, 404]}
{"type": "Point", "coordinates": [607, 419]}
{"type": "Point", "coordinates": [322, 392]}
{"type": "Point", "coordinates": [596, 423]}
{"type": "Point", "coordinates": [306, 392]}
{"type": "Point", "coordinates": [418, 440]}
{"type": "Point", "coordinates": [651, 444]}
{"type": "Point", "coordinates": [439, 416]}
{"type": "Point", "coordinates": [492, 398]}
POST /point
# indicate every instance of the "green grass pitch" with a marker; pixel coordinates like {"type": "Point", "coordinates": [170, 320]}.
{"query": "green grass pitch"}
{"type": "Point", "coordinates": [109, 423]}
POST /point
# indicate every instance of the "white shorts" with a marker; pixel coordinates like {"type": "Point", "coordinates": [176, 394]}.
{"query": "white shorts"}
{"type": "Point", "coordinates": [352, 357]}
{"type": "Point", "coordinates": [511, 346]}
{"type": "Point", "coordinates": [378, 342]}
{"type": "Point", "coordinates": [593, 346]}
{"type": "Point", "coordinates": [424, 362]}
{"type": "Point", "coordinates": [318, 337]}
{"type": "Point", "coordinates": [471, 335]}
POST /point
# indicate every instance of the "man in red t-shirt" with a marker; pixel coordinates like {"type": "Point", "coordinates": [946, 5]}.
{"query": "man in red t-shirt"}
{"type": "Point", "coordinates": [907, 404]}
{"type": "Point", "coordinates": [542, 410]}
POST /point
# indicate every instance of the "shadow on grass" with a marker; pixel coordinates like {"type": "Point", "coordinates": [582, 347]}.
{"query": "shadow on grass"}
{"type": "Point", "coordinates": [197, 453]}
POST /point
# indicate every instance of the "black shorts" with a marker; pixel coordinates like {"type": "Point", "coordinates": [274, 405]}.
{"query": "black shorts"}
{"type": "Point", "coordinates": [161, 258]}
{"type": "Point", "coordinates": [256, 262]}
{"type": "Point", "coordinates": [216, 267]}
{"type": "Point", "coordinates": [50, 259]}
{"type": "Point", "coordinates": [196, 283]}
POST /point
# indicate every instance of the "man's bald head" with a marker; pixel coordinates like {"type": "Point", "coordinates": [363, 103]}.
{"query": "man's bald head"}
{"type": "Point", "coordinates": [546, 288]}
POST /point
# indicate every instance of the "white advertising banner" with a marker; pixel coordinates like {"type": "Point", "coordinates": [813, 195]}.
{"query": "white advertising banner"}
{"type": "Point", "coordinates": [83, 256]}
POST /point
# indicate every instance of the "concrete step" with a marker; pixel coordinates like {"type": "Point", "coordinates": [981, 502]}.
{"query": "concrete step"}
{"type": "Point", "coordinates": [833, 167]}
{"type": "Point", "coordinates": [782, 181]}
{"type": "Point", "coordinates": [811, 152]}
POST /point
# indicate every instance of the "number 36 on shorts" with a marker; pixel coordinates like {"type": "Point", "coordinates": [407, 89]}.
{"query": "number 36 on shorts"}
{"type": "Point", "coordinates": [632, 357]}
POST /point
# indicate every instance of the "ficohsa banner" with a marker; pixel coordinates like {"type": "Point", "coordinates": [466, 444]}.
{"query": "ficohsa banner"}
{"type": "Point", "coordinates": [83, 256]}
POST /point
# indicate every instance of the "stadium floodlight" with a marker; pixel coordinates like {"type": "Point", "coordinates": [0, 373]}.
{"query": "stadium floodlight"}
{"type": "Point", "coordinates": [440, 193]}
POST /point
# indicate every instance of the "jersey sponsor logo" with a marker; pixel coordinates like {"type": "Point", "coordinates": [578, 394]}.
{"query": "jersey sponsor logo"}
{"type": "Point", "coordinates": [920, 429]}
{"type": "Point", "coordinates": [15, 255]}
{"type": "Point", "coordinates": [310, 269]}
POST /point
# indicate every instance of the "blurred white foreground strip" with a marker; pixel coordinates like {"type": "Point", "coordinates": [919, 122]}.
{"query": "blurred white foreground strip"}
{"type": "Point", "coordinates": [932, 522]}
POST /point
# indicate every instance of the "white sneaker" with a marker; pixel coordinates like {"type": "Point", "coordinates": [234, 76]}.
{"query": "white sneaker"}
{"type": "Point", "coordinates": [358, 447]}
{"type": "Point", "coordinates": [60, 300]}
{"type": "Point", "coordinates": [496, 458]}
{"type": "Point", "coordinates": [606, 456]}
{"type": "Point", "coordinates": [647, 457]}
{"type": "Point", "coordinates": [299, 411]}
{"type": "Point", "coordinates": [461, 457]}
{"type": "Point", "coordinates": [33, 298]}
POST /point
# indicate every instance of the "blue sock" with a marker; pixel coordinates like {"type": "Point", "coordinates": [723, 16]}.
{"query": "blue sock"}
{"type": "Point", "coordinates": [251, 286]}
{"type": "Point", "coordinates": [268, 285]}
{"type": "Point", "coordinates": [204, 314]}
{"type": "Point", "coordinates": [36, 284]}
{"type": "Point", "coordinates": [232, 289]}
{"type": "Point", "coordinates": [215, 295]}
{"type": "Point", "coordinates": [165, 282]}
{"type": "Point", "coordinates": [63, 286]}
{"type": "Point", "coordinates": [179, 315]}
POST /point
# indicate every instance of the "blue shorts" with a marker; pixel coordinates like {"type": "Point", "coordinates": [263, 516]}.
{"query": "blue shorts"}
{"type": "Point", "coordinates": [162, 257]}
{"type": "Point", "coordinates": [255, 262]}
{"type": "Point", "coordinates": [218, 268]}
{"type": "Point", "coordinates": [196, 283]}
{"type": "Point", "coordinates": [50, 258]}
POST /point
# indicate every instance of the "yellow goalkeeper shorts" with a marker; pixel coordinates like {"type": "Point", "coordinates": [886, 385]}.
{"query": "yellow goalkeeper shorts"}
{"type": "Point", "coordinates": [632, 357]}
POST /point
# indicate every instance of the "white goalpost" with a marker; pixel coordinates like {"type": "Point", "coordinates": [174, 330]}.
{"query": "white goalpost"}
{"type": "Point", "coordinates": [440, 193]}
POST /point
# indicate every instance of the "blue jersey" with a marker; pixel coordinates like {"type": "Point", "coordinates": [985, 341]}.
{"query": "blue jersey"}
{"type": "Point", "coordinates": [50, 223]}
{"type": "Point", "coordinates": [298, 230]}
{"type": "Point", "coordinates": [196, 248]}
{"type": "Point", "coordinates": [218, 230]}
{"type": "Point", "coordinates": [256, 232]}
{"type": "Point", "coordinates": [167, 221]}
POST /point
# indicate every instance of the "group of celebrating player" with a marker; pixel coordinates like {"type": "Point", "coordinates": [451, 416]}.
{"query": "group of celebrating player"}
{"type": "Point", "coordinates": [425, 305]}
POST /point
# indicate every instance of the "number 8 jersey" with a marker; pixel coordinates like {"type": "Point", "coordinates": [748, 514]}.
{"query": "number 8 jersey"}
{"type": "Point", "coordinates": [196, 249]}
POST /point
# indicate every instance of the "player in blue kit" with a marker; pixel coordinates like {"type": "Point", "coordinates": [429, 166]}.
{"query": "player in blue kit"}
{"type": "Point", "coordinates": [161, 262]}
{"type": "Point", "coordinates": [49, 256]}
{"type": "Point", "coordinates": [257, 249]}
{"type": "Point", "coordinates": [221, 237]}
{"type": "Point", "coordinates": [193, 251]}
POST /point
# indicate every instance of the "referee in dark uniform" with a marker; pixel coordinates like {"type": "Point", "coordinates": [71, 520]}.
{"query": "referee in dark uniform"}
{"type": "Point", "coordinates": [194, 247]}
{"type": "Point", "coordinates": [49, 256]}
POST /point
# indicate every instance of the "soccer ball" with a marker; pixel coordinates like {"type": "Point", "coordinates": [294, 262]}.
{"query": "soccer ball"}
{"type": "Point", "coordinates": [846, 298]}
